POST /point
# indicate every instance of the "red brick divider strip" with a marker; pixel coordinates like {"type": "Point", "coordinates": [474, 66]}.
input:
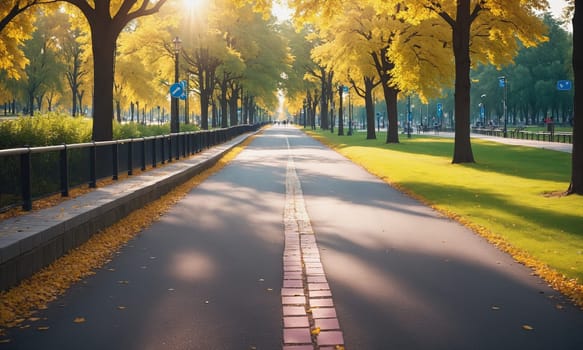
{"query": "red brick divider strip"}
{"type": "Point", "coordinates": [309, 315]}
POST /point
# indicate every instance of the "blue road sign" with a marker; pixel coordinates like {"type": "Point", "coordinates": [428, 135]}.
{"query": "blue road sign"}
{"type": "Point", "coordinates": [502, 81]}
{"type": "Point", "coordinates": [439, 109]}
{"type": "Point", "coordinates": [482, 111]}
{"type": "Point", "coordinates": [176, 90]}
{"type": "Point", "coordinates": [183, 97]}
{"type": "Point", "coordinates": [564, 85]}
{"type": "Point", "coordinates": [345, 89]}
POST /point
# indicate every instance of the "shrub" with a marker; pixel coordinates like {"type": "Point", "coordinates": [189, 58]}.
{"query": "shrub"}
{"type": "Point", "coordinates": [44, 130]}
{"type": "Point", "coordinates": [55, 129]}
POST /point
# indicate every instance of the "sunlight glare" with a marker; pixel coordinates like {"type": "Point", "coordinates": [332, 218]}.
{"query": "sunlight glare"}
{"type": "Point", "coordinates": [281, 11]}
{"type": "Point", "coordinates": [192, 5]}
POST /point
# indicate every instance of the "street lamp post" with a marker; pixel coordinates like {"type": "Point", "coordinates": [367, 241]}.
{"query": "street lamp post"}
{"type": "Point", "coordinates": [349, 115]}
{"type": "Point", "coordinates": [174, 123]}
{"type": "Point", "coordinates": [340, 111]}
{"type": "Point", "coordinates": [483, 110]}
{"type": "Point", "coordinates": [504, 84]}
{"type": "Point", "coordinates": [409, 116]}
{"type": "Point", "coordinates": [305, 105]}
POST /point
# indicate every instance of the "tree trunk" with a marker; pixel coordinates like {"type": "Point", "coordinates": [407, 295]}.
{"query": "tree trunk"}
{"type": "Point", "coordinates": [80, 97]}
{"type": "Point", "coordinates": [214, 114]}
{"type": "Point", "coordinates": [576, 186]}
{"type": "Point", "coordinates": [204, 111]}
{"type": "Point", "coordinates": [391, 95]}
{"type": "Point", "coordinates": [74, 101]}
{"type": "Point", "coordinates": [326, 88]}
{"type": "Point", "coordinates": [384, 66]}
{"type": "Point", "coordinates": [233, 105]}
{"type": "Point", "coordinates": [340, 112]}
{"type": "Point", "coordinates": [313, 108]}
{"type": "Point", "coordinates": [246, 110]}
{"type": "Point", "coordinates": [252, 110]}
{"type": "Point", "coordinates": [224, 107]}
{"type": "Point", "coordinates": [461, 45]}
{"type": "Point", "coordinates": [370, 115]}
{"type": "Point", "coordinates": [104, 40]}
{"type": "Point", "coordinates": [118, 110]}
{"type": "Point", "coordinates": [31, 103]}
{"type": "Point", "coordinates": [324, 106]}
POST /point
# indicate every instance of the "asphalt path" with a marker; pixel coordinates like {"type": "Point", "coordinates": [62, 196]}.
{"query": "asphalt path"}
{"type": "Point", "coordinates": [208, 274]}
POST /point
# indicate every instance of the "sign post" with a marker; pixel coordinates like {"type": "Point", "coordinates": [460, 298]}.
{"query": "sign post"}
{"type": "Point", "coordinates": [176, 90]}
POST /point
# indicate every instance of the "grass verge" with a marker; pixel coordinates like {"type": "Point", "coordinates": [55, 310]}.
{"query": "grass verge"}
{"type": "Point", "coordinates": [21, 302]}
{"type": "Point", "coordinates": [512, 196]}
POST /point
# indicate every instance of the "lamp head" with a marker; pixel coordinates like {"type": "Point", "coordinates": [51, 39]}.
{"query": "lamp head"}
{"type": "Point", "coordinates": [177, 45]}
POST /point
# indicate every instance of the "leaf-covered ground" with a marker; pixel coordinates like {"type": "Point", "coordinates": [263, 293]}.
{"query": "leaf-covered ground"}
{"type": "Point", "coordinates": [21, 303]}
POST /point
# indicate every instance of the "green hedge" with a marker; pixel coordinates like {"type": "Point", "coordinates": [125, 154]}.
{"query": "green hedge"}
{"type": "Point", "coordinates": [55, 129]}
{"type": "Point", "coordinates": [44, 130]}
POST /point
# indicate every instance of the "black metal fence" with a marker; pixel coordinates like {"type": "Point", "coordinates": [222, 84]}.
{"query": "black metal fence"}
{"type": "Point", "coordinates": [27, 173]}
{"type": "Point", "coordinates": [562, 137]}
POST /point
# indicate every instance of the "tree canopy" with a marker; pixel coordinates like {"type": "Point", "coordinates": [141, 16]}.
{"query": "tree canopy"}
{"type": "Point", "coordinates": [421, 48]}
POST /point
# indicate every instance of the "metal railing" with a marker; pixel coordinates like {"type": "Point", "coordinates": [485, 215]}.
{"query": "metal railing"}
{"type": "Point", "coordinates": [562, 137]}
{"type": "Point", "coordinates": [28, 174]}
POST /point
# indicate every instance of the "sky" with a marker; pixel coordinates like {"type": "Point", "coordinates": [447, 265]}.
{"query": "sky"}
{"type": "Point", "coordinates": [557, 7]}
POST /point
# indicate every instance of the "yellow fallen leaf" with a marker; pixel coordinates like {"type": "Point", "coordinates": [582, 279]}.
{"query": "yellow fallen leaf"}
{"type": "Point", "coordinates": [339, 347]}
{"type": "Point", "coordinates": [34, 319]}
{"type": "Point", "coordinates": [316, 331]}
{"type": "Point", "coordinates": [527, 327]}
{"type": "Point", "coordinates": [121, 307]}
{"type": "Point", "coordinates": [5, 341]}
{"type": "Point", "coordinates": [44, 328]}
{"type": "Point", "coordinates": [21, 301]}
{"type": "Point", "coordinates": [79, 320]}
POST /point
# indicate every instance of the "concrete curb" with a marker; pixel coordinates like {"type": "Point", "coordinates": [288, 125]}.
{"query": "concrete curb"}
{"type": "Point", "coordinates": [31, 242]}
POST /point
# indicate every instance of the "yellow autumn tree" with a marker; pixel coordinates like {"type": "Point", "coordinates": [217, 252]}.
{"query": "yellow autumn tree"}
{"type": "Point", "coordinates": [15, 28]}
{"type": "Point", "coordinates": [406, 57]}
{"type": "Point", "coordinates": [348, 47]}
{"type": "Point", "coordinates": [76, 54]}
{"type": "Point", "coordinates": [106, 20]}
{"type": "Point", "coordinates": [145, 61]}
{"type": "Point", "coordinates": [474, 30]}
{"type": "Point", "coordinates": [481, 31]}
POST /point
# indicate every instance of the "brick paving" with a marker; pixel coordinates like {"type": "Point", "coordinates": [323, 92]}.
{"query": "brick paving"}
{"type": "Point", "coordinates": [308, 323]}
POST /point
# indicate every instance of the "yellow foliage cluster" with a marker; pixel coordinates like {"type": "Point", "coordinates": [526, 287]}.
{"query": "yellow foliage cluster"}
{"type": "Point", "coordinates": [12, 37]}
{"type": "Point", "coordinates": [20, 302]}
{"type": "Point", "coordinates": [418, 35]}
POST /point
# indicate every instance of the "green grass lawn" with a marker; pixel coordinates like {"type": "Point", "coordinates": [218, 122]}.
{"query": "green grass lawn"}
{"type": "Point", "coordinates": [510, 193]}
{"type": "Point", "coordinates": [543, 128]}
